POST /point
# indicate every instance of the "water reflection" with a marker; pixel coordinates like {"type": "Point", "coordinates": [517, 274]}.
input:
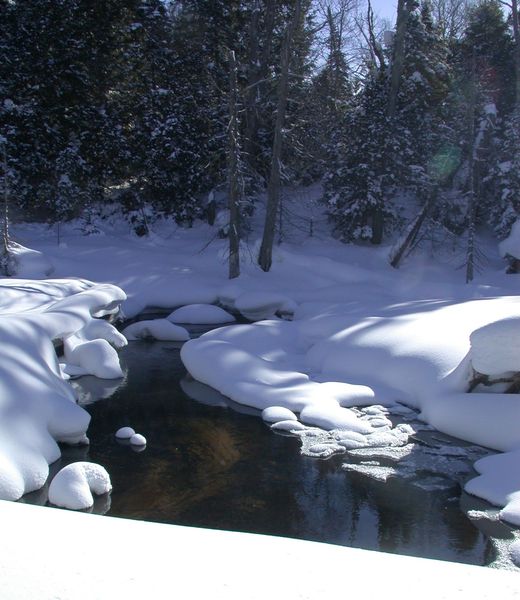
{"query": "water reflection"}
{"type": "Point", "coordinates": [209, 465]}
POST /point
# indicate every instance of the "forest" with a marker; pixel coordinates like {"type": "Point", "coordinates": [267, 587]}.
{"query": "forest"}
{"type": "Point", "coordinates": [174, 108]}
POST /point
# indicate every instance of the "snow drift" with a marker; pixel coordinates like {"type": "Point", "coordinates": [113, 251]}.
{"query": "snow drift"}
{"type": "Point", "coordinates": [37, 405]}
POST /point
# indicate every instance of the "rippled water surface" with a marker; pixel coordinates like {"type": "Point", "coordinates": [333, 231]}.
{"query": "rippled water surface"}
{"type": "Point", "coordinates": [211, 465]}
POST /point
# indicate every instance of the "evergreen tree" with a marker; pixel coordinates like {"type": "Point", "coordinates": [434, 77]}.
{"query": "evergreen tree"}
{"type": "Point", "coordinates": [381, 152]}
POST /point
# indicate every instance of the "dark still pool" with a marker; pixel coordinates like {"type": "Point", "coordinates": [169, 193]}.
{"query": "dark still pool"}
{"type": "Point", "coordinates": [211, 463]}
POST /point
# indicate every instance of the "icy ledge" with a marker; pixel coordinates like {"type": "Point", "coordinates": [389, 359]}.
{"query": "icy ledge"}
{"type": "Point", "coordinates": [37, 405]}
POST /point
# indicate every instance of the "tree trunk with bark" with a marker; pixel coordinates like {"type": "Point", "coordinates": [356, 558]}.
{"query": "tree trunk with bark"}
{"type": "Point", "coordinates": [233, 156]}
{"type": "Point", "coordinates": [273, 188]}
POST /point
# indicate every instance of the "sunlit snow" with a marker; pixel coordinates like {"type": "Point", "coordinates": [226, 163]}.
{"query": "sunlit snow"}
{"type": "Point", "coordinates": [348, 345]}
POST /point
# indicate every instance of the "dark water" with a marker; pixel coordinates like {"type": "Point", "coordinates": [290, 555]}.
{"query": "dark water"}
{"type": "Point", "coordinates": [213, 466]}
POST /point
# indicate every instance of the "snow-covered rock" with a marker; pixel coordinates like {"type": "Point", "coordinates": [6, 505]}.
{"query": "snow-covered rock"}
{"type": "Point", "coordinates": [499, 483]}
{"type": "Point", "coordinates": [156, 329]}
{"type": "Point", "coordinates": [200, 314]}
{"type": "Point", "coordinates": [495, 348]}
{"type": "Point", "coordinates": [96, 357]}
{"type": "Point", "coordinates": [138, 440]}
{"type": "Point", "coordinates": [73, 486]}
{"type": "Point", "coordinates": [272, 414]}
{"type": "Point", "coordinates": [125, 433]}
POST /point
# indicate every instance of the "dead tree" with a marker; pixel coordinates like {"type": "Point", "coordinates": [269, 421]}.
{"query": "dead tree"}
{"type": "Point", "coordinates": [273, 188]}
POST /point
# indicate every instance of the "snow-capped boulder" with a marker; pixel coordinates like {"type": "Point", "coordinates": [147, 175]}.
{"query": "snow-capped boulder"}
{"type": "Point", "coordinates": [73, 486]}
{"type": "Point", "coordinates": [156, 329]}
{"type": "Point", "coordinates": [495, 348]}
{"type": "Point", "coordinates": [125, 433]}
{"type": "Point", "coordinates": [200, 314]}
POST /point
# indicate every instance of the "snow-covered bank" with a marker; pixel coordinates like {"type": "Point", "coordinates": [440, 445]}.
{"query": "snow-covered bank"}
{"type": "Point", "coordinates": [145, 559]}
{"type": "Point", "coordinates": [363, 334]}
{"type": "Point", "coordinates": [37, 405]}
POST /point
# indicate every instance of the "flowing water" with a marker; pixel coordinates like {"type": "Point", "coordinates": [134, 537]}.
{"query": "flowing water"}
{"type": "Point", "coordinates": [212, 463]}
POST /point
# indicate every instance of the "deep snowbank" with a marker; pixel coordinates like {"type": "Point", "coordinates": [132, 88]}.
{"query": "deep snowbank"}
{"type": "Point", "coordinates": [37, 405]}
{"type": "Point", "coordinates": [145, 560]}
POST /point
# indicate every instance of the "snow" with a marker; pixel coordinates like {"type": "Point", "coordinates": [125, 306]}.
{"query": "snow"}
{"type": "Point", "coordinates": [125, 433]}
{"type": "Point", "coordinates": [364, 341]}
{"type": "Point", "coordinates": [156, 329]}
{"type": "Point", "coordinates": [272, 414]}
{"type": "Point", "coordinates": [495, 348]}
{"type": "Point", "coordinates": [511, 245]}
{"type": "Point", "coordinates": [200, 314]}
{"type": "Point", "coordinates": [107, 561]}
{"type": "Point", "coordinates": [73, 486]}
{"type": "Point", "coordinates": [30, 263]}
{"type": "Point", "coordinates": [288, 425]}
{"type": "Point", "coordinates": [499, 483]}
{"type": "Point", "coordinates": [256, 306]}
{"type": "Point", "coordinates": [138, 439]}
{"type": "Point", "coordinates": [37, 405]}
{"type": "Point", "coordinates": [515, 552]}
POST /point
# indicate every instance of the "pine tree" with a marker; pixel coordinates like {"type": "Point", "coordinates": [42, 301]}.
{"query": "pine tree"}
{"type": "Point", "coordinates": [384, 151]}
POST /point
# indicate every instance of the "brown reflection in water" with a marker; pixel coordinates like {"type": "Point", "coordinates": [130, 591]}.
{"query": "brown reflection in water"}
{"type": "Point", "coordinates": [201, 459]}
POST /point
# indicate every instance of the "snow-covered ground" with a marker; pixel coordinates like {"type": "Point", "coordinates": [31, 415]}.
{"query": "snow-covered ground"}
{"type": "Point", "coordinates": [89, 557]}
{"type": "Point", "coordinates": [361, 334]}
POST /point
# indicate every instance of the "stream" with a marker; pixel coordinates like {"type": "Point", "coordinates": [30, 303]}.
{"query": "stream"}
{"type": "Point", "coordinates": [212, 463]}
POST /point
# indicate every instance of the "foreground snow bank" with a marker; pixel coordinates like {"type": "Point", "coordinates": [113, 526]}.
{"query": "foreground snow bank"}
{"type": "Point", "coordinates": [231, 560]}
{"type": "Point", "coordinates": [37, 405]}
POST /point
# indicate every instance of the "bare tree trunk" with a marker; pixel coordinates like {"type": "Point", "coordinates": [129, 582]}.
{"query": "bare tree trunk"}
{"type": "Point", "coordinates": [258, 68]}
{"type": "Point", "coordinates": [6, 261]}
{"type": "Point", "coordinates": [375, 49]}
{"type": "Point", "coordinates": [233, 150]}
{"type": "Point", "coordinates": [516, 31]}
{"type": "Point", "coordinates": [472, 203]}
{"type": "Point", "coordinates": [397, 56]}
{"type": "Point", "coordinates": [273, 188]}
{"type": "Point", "coordinates": [411, 235]}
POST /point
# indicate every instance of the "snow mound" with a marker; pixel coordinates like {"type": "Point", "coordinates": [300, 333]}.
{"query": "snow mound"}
{"type": "Point", "coordinates": [332, 416]}
{"type": "Point", "coordinates": [138, 440]}
{"type": "Point", "coordinates": [37, 405]}
{"type": "Point", "coordinates": [96, 357]}
{"type": "Point", "coordinates": [30, 263]}
{"type": "Point", "coordinates": [495, 348]}
{"type": "Point", "coordinates": [289, 425]}
{"type": "Point", "coordinates": [125, 433]}
{"type": "Point", "coordinates": [499, 483]}
{"type": "Point", "coordinates": [200, 314]}
{"type": "Point", "coordinates": [257, 306]}
{"type": "Point", "coordinates": [73, 486]}
{"type": "Point", "coordinates": [272, 414]}
{"type": "Point", "coordinates": [156, 329]}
